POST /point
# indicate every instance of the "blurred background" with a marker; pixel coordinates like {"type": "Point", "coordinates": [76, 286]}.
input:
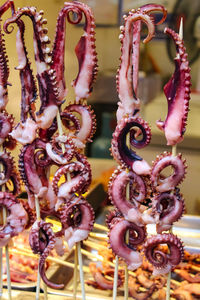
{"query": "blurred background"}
{"type": "Point", "coordinates": [156, 67]}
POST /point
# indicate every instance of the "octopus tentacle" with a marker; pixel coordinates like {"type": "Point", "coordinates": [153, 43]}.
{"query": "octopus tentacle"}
{"type": "Point", "coordinates": [88, 123]}
{"type": "Point", "coordinates": [7, 162]}
{"type": "Point", "coordinates": [100, 280]}
{"type": "Point", "coordinates": [162, 161]}
{"type": "Point", "coordinates": [6, 125]}
{"type": "Point", "coordinates": [42, 241]}
{"type": "Point", "coordinates": [78, 216]}
{"type": "Point", "coordinates": [59, 235]}
{"type": "Point", "coordinates": [4, 68]}
{"type": "Point", "coordinates": [80, 180]}
{"type": "Point", "coordinates": [28, 84]}
{"type": "Point", "coordinates": [85, 50]}
{"type": "Point", "coordinates": [13, 185]}
{"type": "Point", "coordinates": [126, 251]}
{"type": "Point", "coordinates": [129, 103]}
{"type": "Point", "coordinates": [163, 262]}
{"type": "Point", "coordinates": [45, 75]}
{"type": "Point", "coordinates": [117, 193]}
{"type": "Point", "coordinates": [17, 217]}
{"type": "Point", "coordinates": [25, 131]}
{"type": "Point", "coordinates": [54, 149]}
{"type": "Point", "coordinates": [138, 295]}
{"type": "Point", "coordinates": [114, 216]}
{"type": "Point", "coordinates": [170, 207]}
{"type": "Point", "coordinates": [30, 213]}
{"type": "Point", "coordinates": [147, 9]}
{"type": "Point", "coordinates": [120, 151]}
{"type": "Point", "coordinates": [177, 92]}
{"type": "Point", "coordinates": [33, 167]}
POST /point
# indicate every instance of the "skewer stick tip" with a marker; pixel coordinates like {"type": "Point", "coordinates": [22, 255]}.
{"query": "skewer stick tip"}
{"type": "Point", "coordinates": [181, 28]}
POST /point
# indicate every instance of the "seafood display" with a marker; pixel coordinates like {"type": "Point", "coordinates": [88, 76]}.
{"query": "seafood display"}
{"type": "Point", "coordinates": [185, 282]}
{"type": "Point", "coordinates": [14, 215]}
{"type": "Point", "coordinates": [44, 144]}
{"type": "Point", "coordinates": [53, 133]}
{"type": "Point", "coordinates": [141, 193]}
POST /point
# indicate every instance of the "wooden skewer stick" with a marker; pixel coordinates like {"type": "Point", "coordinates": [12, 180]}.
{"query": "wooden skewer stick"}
{"type": "Point", "coordinates": [37, 209]}
{"type": "Point", "coordinates": [174, 152]}
{"type": "Point", "coordinates": [127, 234]}
{"type": "Point", "coordinates": [95, 235]}
{"type": "Point", "coordinates": [1, 272]}
{"type": "Point", "coordinates": [75, 272]}
{"type": "Point", "coordinates": [115, 278]}
{"type": "Point", "coordinates": [7, 261]}
{"type": "Point", "coordinates": [100, 227]}
{"type": "Point", "coordinates": [59, 261]}
{"type": "Point", "coordinates": [6, 251]}
{"type": "Point", "coordinates": [78, 245]}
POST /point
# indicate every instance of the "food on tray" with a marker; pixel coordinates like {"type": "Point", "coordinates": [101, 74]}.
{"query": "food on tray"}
{"type": "Point", "coordinates": [185, 280]}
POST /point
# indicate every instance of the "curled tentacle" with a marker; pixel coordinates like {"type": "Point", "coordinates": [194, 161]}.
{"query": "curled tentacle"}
{"type": "Point", "coordinates": [177, 92]}
{"type": "Point", "coordinates": [16, 219]}
{"type": "Point", "coordinates": [170, 207]}
{"type": "Point", "coordinates": [78, 216]}
{"type": "Point", "coordinates": [80, 173]}
{"type": "Point", "coordinates": [117, 193]}
{"type": "Point", "coordinates": [48, 90]}
{"type": "Point", "coordinates": [33, 167]}
{"type": "Point", "coordinates": [88, 123]}
{"type": "Point", "coordinates": [55, 152]}
{"type": "Point", "coordinates": [101, 281]}
{"type": "Point", "coordinates": [121, 152]}
{"type": "Point", "coordinates": [168, 183]}
{"type": "Point", "coordinates": [6, 125]}
{"type": "Point", "coordinates": [129, 103]}
{"type": "Point", "coordinates": [113, 217]}
{"type": "Point", "coordinates": [59, 235]}
{"type": "Point", "coordinates": [134, 291]}
{"type": "Point", "coordinates": [163, 262]}
{"type": "Point", "coordinates": [6, 161]}
{"type": "Point", "coordinates": [30, 213]}
{"type": "Point", "coordinates": [85, 50]}
{"type": "Point", "coordinates": [126, 251]}
{"type": "Point", "coordinates": [13, 184]}
{"type": "Point", "coordinates": [42, 241]}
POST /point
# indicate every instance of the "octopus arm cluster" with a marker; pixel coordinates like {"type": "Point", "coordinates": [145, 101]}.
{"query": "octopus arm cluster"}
{"type": "Point", "coordinates": [44, 146]}
{"type": "Point", "coordinates": [144, 194]}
